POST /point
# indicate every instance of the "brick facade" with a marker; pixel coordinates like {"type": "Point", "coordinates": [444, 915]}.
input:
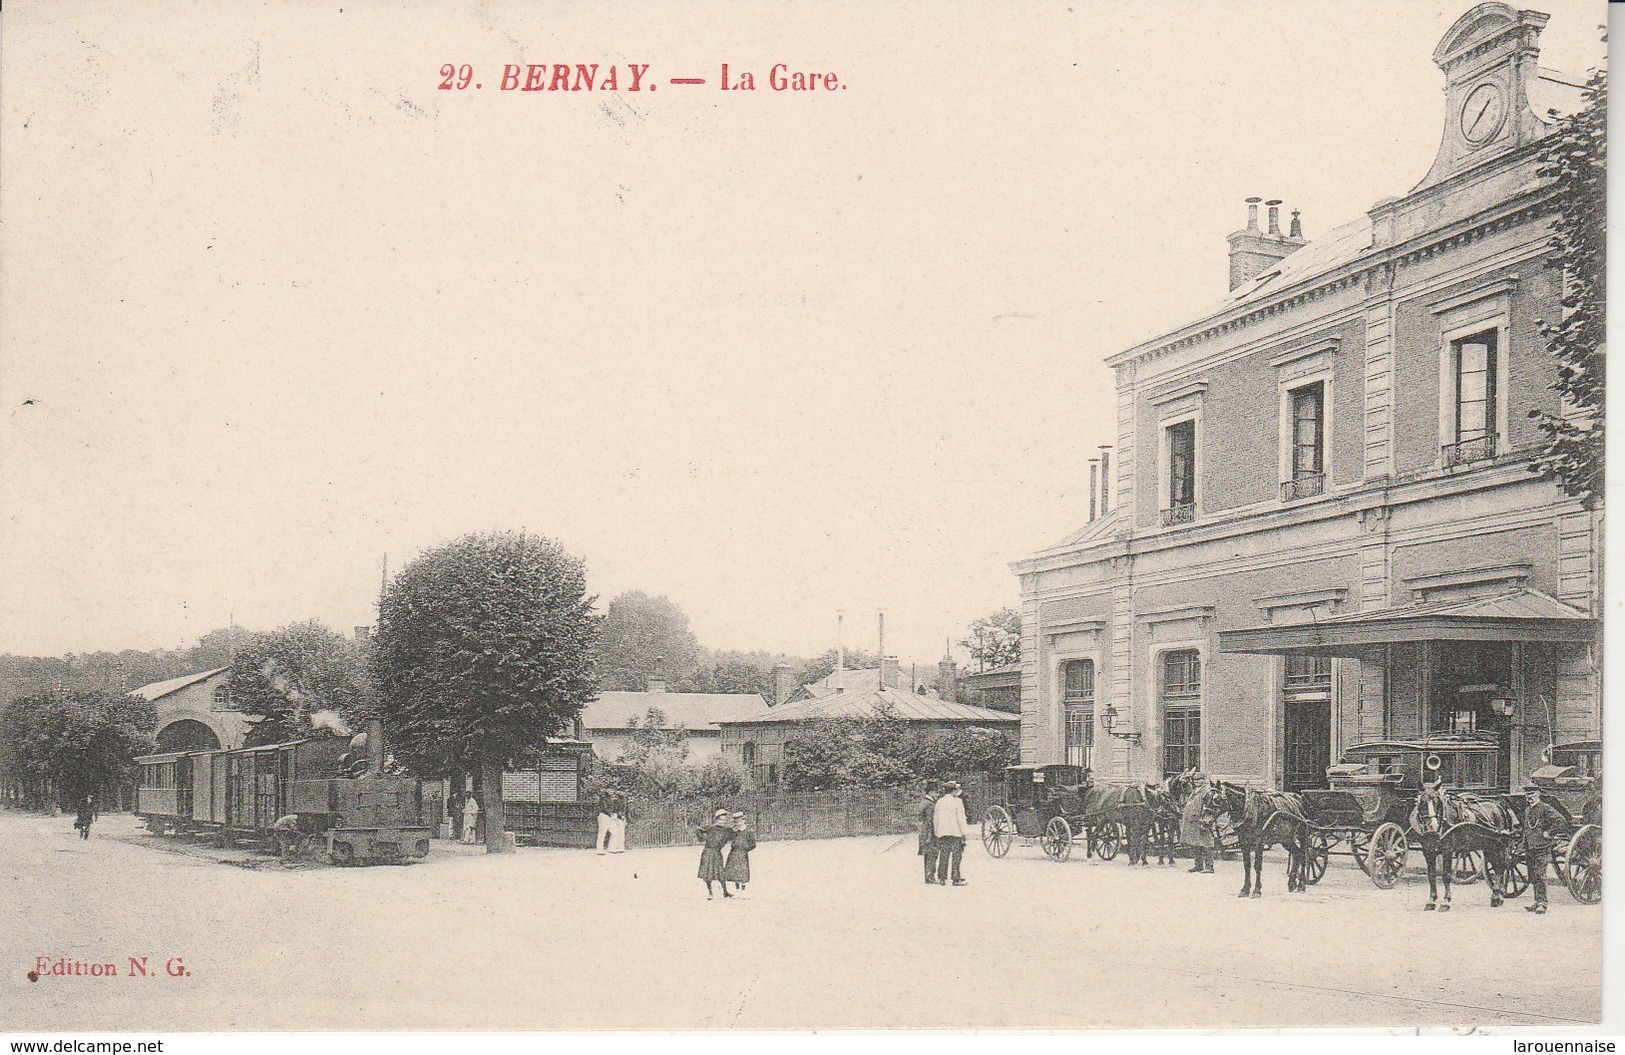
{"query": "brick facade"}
{"type": "Point", "coordinates": [1375, 313]}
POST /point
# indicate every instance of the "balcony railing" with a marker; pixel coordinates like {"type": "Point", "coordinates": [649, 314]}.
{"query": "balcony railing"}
{"type": "Point", "coordinates": [1468, 451]}
{"type": "Point", "coordinates": [1304, 485]}
{"type": "Point", "coordinates": [1179, 513]}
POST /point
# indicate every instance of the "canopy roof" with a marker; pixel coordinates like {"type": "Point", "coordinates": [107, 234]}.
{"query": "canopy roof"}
{"type": "Point", "coordinates": [1517, 615]}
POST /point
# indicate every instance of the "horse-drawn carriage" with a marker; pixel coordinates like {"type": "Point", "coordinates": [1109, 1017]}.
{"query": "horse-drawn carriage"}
{"type": "Point", "coordinates": [1570, 780]}
{"type": "Point", "coordinates": [1058, 805]}
{"type": "Point", "coordinates": [1366, 809]}
{"type": "Point", "coordinates": [1375, 789]}
{"type": "Point", "coordinates": [1033, 809]}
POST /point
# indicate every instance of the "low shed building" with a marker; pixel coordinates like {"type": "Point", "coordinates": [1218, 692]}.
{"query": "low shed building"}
{"type": "Point", "coordinates": [758, 742]}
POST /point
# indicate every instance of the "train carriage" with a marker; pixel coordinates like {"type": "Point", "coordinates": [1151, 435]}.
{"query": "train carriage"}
{"type": "Point", "coordinates": [242, 794]}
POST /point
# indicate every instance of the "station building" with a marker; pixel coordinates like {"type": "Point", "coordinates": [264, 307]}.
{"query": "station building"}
{"type": "Point", "coordinates": [1326, 530]}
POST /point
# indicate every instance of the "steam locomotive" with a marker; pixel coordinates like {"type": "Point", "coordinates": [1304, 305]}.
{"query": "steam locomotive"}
{"type": "Point", "coordinates": [242, 795]}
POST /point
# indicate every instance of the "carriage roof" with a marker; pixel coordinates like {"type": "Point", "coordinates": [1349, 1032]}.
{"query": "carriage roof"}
{"type": "Point", "coordinates": [1434, 745]}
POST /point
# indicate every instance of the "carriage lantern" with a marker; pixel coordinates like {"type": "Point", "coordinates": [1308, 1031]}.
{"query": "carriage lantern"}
{"type": "Point", "coordinates": [1504, 702]}
{"type": "Point", "coordinates": [1108, 722]}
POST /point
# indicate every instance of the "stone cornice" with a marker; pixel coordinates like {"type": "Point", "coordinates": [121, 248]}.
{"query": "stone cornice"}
{"type": "Point", "coordinates": [1174, 615]}
{"type": "Point", "coordinates": [1494, 288]}
{"type": "Point", "coordinates": [1332, 595]}
{"type": "Point", "coordinates": [1515, 573]}
{"type": "Point", "coordinates": [1322, 345]}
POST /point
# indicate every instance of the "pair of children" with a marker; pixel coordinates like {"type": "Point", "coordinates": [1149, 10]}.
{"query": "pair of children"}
{"type": "Point", "coordinates": [731, 831]}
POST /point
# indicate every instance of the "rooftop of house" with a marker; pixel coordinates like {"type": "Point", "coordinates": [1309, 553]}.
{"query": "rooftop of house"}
{"type": "Point", "coordinates": [863, 680]}
{"type": "Point", "coordinates": [993, 677]}
{"type": "Point", "coordinates": [872, 702]}
{"type": "Point", "coordinates": [690, 710]}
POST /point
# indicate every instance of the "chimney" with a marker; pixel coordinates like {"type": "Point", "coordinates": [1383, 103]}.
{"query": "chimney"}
{"type": "Point", "coordinates": [948, 678]}
{"type": "Point", "coordinates": [840, 651]}
{"type": "Point", "coordinates": [890, 672]}
{"type": "Point", "coordinates": [880, 652]}
{"type": "Point", "coordinates": [784, 683]}
{"type": "Point", "coordinates": [1297, 227]}
{"type": "Point", "coordinates": [363, 636]}
{"type": "Point", "coordinates": [375, 747]}
{"type": "Point", "coordinates": [656, 685]}
{"type": "Point", "coordinates": [1105, 477]}
{"type": "Point", "coordinates": [1094, 486]}
{"type": "Point", "coordinates": [1252, 252]}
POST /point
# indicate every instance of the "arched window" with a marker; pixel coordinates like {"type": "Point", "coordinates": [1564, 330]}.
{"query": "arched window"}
{"type": "Point", "coordinates": [1078, 705]}
{"type": "Point", "coordinates": [1181, 693]}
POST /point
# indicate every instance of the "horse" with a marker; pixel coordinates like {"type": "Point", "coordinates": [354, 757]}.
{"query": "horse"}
{"type": "Point", "coordinates": [1263, 819]}
{"type": "Point", "coordinates": [1450, 822]}
{"type": "Point", "coordinates": [1167, 801]}
{"type": "Point", "coordinates": [1101, 804]}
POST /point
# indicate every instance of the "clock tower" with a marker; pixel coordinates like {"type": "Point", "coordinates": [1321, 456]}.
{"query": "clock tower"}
{"type": "Point", "coordinates": [1490, 59]}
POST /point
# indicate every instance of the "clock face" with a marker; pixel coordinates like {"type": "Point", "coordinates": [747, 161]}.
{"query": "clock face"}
{"type": "Point", "coordinates": [1482, 113]}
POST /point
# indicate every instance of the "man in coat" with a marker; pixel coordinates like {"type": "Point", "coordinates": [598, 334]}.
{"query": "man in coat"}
{"type": "Point", "coordinates": [1541, 825]}
{"type": "Point", "coordinates": [949, 824]}
{"type": "Point", "coordinates": [1195, 826]}
{"type": "Point", "coordinates": [928, 830]}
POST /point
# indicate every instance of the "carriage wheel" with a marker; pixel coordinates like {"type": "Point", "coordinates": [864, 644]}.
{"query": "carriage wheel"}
{"type": "Point", "coordinates": [1109, 841]}
{"type": "Point", "coordinates": [1385, 861]}
{"type": "Point", "coordinates": [1360, 847]}
{"type": "Point", "coordinates": [1057, 839]}
{"type": "Point", "coordinates": [1584, 867]}
{"type": "Point", "coordinates": [998, 831]}
{"type": "Point", "coordinates": [1516, 878]}
{"type": "Point", "coordinates": [1466, 867]}
{"type": "Point", "coordinates": [1319, 852]}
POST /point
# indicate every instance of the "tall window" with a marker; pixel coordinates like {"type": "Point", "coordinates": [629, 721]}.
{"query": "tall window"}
{"type": "Point", "coordinates": [1181, 710]}
{"type": "Point", "coordinates": [1181, 440]}
{"type": "Point", "coordinates": [1308, 439]}
{"type": "Point", "coordinates": [1078, 702]}
{"type": "Point", "coordinates": [1473, 360]}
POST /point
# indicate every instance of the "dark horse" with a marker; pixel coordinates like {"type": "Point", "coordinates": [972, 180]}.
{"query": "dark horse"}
{"type": "Point", "coordinates": [1101, 806]}
{"type": "Point", "coordinates": [1261, 820]}
{"type": "Point", "coordinates": [1167, 802]}
{"type": "Point", "coordinates": [1449, 823]}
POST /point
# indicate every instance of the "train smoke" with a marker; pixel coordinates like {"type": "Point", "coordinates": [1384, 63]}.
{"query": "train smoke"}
{"type": "Point", "coordinates": [330, 721]}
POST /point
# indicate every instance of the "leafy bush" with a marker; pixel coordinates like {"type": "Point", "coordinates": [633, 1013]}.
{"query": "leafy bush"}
{"type": "Point", "coordinates": [884, 751]}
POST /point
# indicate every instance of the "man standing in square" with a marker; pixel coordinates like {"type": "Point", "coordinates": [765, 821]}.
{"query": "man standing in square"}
{"type": "Point", "coordinates": [951, 828]}
{"type": "Point", "coordinates": [1541, 824]}
{"type": "Point", "coordinates": [928, 830]}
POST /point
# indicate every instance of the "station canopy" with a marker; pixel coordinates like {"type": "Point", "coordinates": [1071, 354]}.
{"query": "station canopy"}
{"type": "Point", "coordinates": [1517, 616]}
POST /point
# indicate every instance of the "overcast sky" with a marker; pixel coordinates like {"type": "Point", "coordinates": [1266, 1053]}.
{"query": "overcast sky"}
{"type": "Point", "coordinates": [275, 306]}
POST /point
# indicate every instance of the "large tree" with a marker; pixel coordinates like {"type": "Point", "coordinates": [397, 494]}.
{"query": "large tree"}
{"type": "Point", "coordinates": [1575, 159]}
{"type": "Point", "coordinates": [995, 639]}
{"type": "Point", "coordinates": [644, 637]}
{"type": "Point", "coordinates": [288, 675]}
{"type": "Point", "coordinates": [483, 651]}
{"type": "Point", "coordinates": [63, 746]}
